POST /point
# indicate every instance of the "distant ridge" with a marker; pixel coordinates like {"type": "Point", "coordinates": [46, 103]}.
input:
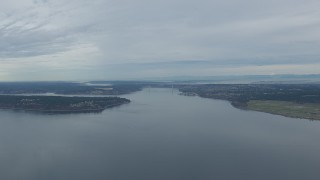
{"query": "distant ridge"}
{"type": "Point", "coordinates": [279, 78]}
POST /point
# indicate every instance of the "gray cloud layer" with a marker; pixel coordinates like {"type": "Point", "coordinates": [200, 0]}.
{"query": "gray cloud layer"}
{"type": "Point", "coordinates": [97, 39]}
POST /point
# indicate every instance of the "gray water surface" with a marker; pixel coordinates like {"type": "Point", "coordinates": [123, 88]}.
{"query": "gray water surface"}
{"type": "Point", "coordinates": [159, 136]}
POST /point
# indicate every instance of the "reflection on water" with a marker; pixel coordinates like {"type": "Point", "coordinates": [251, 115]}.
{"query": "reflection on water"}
{"type": "Point", "coordinates": [160, 135]}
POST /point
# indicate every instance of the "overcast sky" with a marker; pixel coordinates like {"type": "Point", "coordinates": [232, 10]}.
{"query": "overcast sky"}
{"type": "Point", "coordinates": [135, 39]}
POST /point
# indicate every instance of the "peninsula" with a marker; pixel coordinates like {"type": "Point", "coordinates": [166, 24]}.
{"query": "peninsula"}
{"type": "Point", "coordinates": [59, 104]}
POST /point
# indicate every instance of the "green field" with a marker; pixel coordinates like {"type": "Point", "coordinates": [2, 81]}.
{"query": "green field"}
{"type": "Point", "coordinates": [285, 108]}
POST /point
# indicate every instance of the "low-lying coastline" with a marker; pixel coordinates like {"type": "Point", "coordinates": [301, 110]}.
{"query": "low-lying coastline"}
{"type": "Point", "coordinates": [288, 109]}
{"type": "Point", "coordinates": [289, 100]}
{"type": "Point", "coordinates": [59, 104]}
{"type": "Point", "coordinates": [310, 111]}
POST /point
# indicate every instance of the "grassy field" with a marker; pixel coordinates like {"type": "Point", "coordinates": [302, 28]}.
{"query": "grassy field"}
{"type": "Point", "coordinates": [288, 109]}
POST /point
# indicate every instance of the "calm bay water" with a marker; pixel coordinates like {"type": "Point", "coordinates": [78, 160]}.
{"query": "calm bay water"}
{"type": "Point", "coordinates": [159, 136]}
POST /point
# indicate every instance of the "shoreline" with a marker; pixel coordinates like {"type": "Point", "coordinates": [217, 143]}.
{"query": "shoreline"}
{"type": "Point", "coordinates": [64, 111]}
{"type": "Point", "coordinates": [309, 111]}
{"type": "Point", "coordinates": [58, 104]}
{"type": "Point", "coordinates": [280, 113]}
{"type": "Point", "coordinates": [244, 106]}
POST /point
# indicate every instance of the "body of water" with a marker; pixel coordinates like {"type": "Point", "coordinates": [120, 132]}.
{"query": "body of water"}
{"type": "Point", "coordinates": [160, 135]}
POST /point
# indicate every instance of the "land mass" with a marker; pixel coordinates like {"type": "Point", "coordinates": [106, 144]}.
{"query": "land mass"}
{"type": "Point", "coordinates": [285, 108]}
{"type": "Point", "coordinates": [291, 100]}
{"type": "Point", "coordinates": [59, 104]}
{"type": "Point", "coordinates": [70, 88]}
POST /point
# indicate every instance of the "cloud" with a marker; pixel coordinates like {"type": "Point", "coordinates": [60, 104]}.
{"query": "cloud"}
{"type": "Point", "coordinates": [78, 36]}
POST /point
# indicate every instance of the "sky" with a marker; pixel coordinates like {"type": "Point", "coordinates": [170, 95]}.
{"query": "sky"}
{"type": "Point", "coordinates": [143, 39]}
